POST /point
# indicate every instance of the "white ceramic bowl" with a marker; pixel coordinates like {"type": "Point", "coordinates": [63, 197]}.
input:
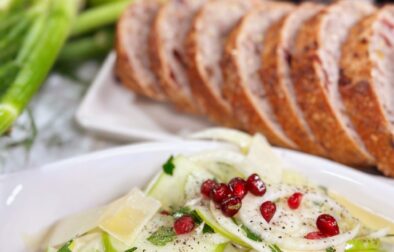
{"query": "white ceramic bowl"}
{"type": "Point", "coordinates": [32, 200]}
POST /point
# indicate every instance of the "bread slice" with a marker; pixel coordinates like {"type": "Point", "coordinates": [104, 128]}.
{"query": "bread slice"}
{"type": "Point", "coordinates": [276, 75]}
{"type": "Point", "coordinates": [170, 28]}
{"type": "Point", "coordinates": [315, 72]}
{"type": "Point", "coordinates": [133, 65]}
{"type": "Point", "coordinates": [241, 64]}
{"type": "Point", "coordinates": [367, 84]}
{"type": "Point", "coordinates": [205, 45]}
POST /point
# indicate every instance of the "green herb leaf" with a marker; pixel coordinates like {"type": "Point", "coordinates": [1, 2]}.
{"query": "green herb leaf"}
{"type": "Point", "coordinates": [66, 247]}
{"type": "Point", "coordinates": [197, 219]}
{"type": "Point", "coordinates": [250, 234]}
{"type": "Point", "coordinates": [169, 166]}
{"type": "Point", "coordinates": [323, 189]}
{"type": "Point", "coordinates": [275, 248]}
{"type": "Point", "coordinates": [131, 250]}
{"type": "Point", "coordinates": [187, 211]}
{"type": "Point", "coordinates": [207, 229]}
{"type": "Point", "coordinates": [162, 236]}
{"type": "Point", "coordinates": [331, 249]}
{"type": "Point", "coordinates": [180, 212]}
{"type": "Point", "coordinates": [317, 203]}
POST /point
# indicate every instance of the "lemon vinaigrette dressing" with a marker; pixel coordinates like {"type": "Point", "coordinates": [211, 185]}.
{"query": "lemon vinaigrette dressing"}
{"type": "Point", "coordinates": [367, 217]}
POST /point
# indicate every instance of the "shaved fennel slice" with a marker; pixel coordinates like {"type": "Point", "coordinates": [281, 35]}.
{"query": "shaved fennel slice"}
{"type": "Point", "coordinates": [269, 165]}
{"type": "Point", "coordinates": [74, 226]}
{"type": "Point", "coordinates": [379, 233]}
{"type": "Point", "coordinates": [236, 137]}
{"type": "Point", "coordinates": [205, 214]}
{"type": "Point", "coordinates": [256, 149]}
{"type": "Point", "coordinates": [193, 184]}
{"type": "Point", "coordinates": [235, 230]}
{"type": "Point", "coordinates": [293, 238]}
{"type": "Point", "coordinates": [224, 164]}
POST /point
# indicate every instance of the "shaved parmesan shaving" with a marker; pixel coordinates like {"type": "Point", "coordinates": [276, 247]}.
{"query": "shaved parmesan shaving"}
{"type": "Point", "coordinates": [125, 218]}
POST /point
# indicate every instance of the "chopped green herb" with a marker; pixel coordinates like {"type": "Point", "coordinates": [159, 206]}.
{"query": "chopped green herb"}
{"type": "Point", "coordinates": [169, 166]}
{"type": "Point", "coordinates": [197, 219]}
{"type": "Point", "coordinates": [66, 247]}
{"type": "Point", "coordinates": [331, 249]}
{"type": "Point", "coordinates": [162, 236]}
{"type": "Point", "coordinates": [180, 212]}
{"type": "Point", "coordinates": [131, 250]}
{"type": "Point", "coordinates": [275, 248]}
{"type": "Point", "coordinates": [324, 189]}
{"type": "Point", "coordinates": [317, 203]}
{"type": "Point", "coordinates": [250, 234]}
{"type": "Point", "coordinates": [207, 229]}
{"type": "Point", "coordinates": [187, 211]}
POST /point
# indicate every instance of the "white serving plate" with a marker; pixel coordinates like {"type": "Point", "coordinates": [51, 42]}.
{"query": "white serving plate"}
{"type": "Point", "coordinates": [32, 200]}
{"type": "Point", "coordinates": [111, 110]}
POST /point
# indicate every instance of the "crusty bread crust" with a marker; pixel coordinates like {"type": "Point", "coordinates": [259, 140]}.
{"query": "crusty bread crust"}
{"type": "Point", "coordinates": [169, 65]}
{"type": "Point", "coordinates": [206, 93]}
{"type": "Point", "coordinates": [359, 92]}
{"type": "Point", "coordinates": [310, 80]}
{"type": "Point", "coordinates": [276, 58]}
{"type": "Point", "coordinates": [127, 67]}
{"type": "Point", "coordinates": [236, 89]}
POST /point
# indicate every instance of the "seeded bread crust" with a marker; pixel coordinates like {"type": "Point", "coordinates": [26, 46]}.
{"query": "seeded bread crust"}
{"type": "Point", "coordinates": [359, 86]}
{"type": "Point", "coordinates": [313, 82]}
{"type": "Point", "coordinates": [242, 86]}
{"type": "Point", "coordinates": [203, 67]}
{"type": "Point", "coordinates": [133, 66]}
{"type": "Point", "coordinates": [275, 73]}
{"type": "Point", "coordinates": [167, 51]}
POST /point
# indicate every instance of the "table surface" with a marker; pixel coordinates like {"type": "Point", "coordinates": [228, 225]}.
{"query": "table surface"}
{"type": "Point", "coordinates": [47, 131]}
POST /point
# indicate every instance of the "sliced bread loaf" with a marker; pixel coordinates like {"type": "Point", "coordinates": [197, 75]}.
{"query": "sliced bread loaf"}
{"type": "Point", "coordinates": [170, 28]}
{"type": "Point", "coordinates": [276, 76]}
{"type": "Point", "coordinates": [241, 64]}
{"type": "Point", "coordinates": [315, 72]}
{"type": "Point", "coordinates": [205, 45]}
{"type": "Point", "coordinates": [133, 65]}
{"type": "Point", "coordinates": [367, 84]}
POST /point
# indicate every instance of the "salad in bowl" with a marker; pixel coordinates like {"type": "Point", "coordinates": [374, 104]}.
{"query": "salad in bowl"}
{"type": "Point", "coordinates": [241, 197]}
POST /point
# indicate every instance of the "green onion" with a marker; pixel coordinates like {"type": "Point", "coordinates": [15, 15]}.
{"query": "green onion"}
{"type": "Point", "coordinates": [88, 47]}
{"type": "Point", "coordinates": [8, 74]}
{"type": "Point", "coordinates": [97, 17]}
{"type": "Point", "coordinates": [45, 46]}
{"type": "Point", "coordinates": [101, 2]}
{"type": "Point", "coordinates": [9, 21]}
